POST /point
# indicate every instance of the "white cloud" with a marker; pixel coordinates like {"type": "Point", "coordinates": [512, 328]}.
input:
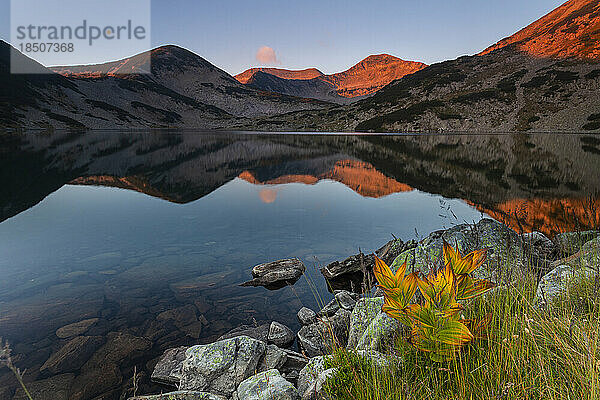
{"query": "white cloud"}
{"type": "Point", "coordinates": [266, 55]}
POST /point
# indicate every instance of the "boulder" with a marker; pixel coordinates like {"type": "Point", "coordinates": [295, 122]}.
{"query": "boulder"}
{"type": "Point", "coordinates": [221, 366]}
{"type": "Point", "coordinates": [73, 355]}
{"type": "Point", "coordinates": [168, 369]}
{"type": "Point", "coordinates": [539, 250]}
{"type": "Point", "coordinates": [322, 336]}
{"type": "Point", "coordinates": [363, 314]}
{"type": "Point", "coordinates": [380, 334]}
{"type": "Point", "coordinates": [76, 329]}
{"type": "Point", "coordinates": [294, 362]}
{"type": "Point", "coordinates": [280, 335]}
{"type": "Point", "coordinates": [181, 395]}
{"type": "Point", "coordinates": [569, 243]}
{"type": "Point", "coordinates": [306, 316]}
{"type": "Point", "coordinates": [584, 263]}
{"type": "Point", "coordinates": [312, 377]}
{"type": "Point", "coordinates": [329, 309]}
{"type": "Point", "coordinates": [267, 385]}
{"type": "Point", "coordinates": [309, 374]}
{"type": "Point", "coordinates": [504, 256]}
{"type": "Point", "coordinates": [380, 360]}
{"type": "Point", "coordinates": [260, 332]}
{"type": "Point", "coordinates": [276, 274]}
{"type": "Point", "coordinates": [53, 388]}
{"type": "Point", "coordinates": [346, 299]}
{"type": "Point", "coordinates": [274, 358]}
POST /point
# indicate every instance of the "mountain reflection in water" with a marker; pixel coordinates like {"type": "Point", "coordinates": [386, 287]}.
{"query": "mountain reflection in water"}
{"type": "Point", "coordinates": [201, 209]}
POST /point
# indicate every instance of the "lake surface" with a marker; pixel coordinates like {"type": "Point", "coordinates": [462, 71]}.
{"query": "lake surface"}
{"type": "Point", "coordinates": [123, 226]}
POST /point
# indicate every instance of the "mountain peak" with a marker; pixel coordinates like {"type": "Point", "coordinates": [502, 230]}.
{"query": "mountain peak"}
{"type": "Point", "coordinates": [308, 73]}
{"type": "Point", "coordinates": [571, 30]}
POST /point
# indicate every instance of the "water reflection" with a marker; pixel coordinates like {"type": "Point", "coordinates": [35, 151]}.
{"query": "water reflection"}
{"type": "Point", "coordinates": [124, 227]}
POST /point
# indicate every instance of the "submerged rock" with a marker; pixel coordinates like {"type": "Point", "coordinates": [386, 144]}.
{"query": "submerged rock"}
{"type": "Point", "coordinates": [504, 256]}
{"type": "Point", "coordinates": [221, 366]}
{"type": "Point", "coordinates": [267, 385]}
{"type": "Point", "coordinates": [73, 355]}
{"type": "Point", "coordinates": [322, 336]}
{"type": "Point", "coordinates": [95, 382]}
{"type": "Point", "coordinates": [584, 263]}
{"type": "Point", "coordinates": [76, 329]}
{"type": "Point", "coordinates": [54, 388]}
{"type": "Point", "coordinates": [276, 274]}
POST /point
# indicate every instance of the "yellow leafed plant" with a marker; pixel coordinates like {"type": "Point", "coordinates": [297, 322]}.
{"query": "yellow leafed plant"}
{"type": "Point", "coordinates": [436, 325]}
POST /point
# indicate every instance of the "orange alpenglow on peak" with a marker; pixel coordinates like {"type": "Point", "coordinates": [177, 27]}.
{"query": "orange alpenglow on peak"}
{"type": "Point", "coordinates": [302, 74]}
{"type": "Point", "coordinates": [571, 30]}
{"type": "Point", "coordinates": [364, 78]}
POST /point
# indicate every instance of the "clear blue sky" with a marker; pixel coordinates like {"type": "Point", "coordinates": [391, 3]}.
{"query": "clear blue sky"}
{"type": "Point", "coordinates": [332, 35]}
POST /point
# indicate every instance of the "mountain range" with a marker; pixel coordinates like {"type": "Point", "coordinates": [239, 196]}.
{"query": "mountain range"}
{"type": "Point", "coordinates": [545, 77]}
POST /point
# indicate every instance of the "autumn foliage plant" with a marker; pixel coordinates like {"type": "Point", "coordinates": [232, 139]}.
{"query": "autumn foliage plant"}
{"type": "Point", "coordinates": [435, 322]}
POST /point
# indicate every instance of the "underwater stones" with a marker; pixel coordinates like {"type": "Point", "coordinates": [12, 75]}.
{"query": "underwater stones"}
{"type": "Point", "coordinates": [365, 311]}
{"type": "Point", "coordinates": [95, 382]}
{"type": "Point", "coordinates": [584, 263]}
{"type": "Point", "coordinates": [280, 335]}
{"type": "Point", "coordinates": [267, 385]}
{"type": "Point", "coordinates": [54, 388]}
{"type": "Point", "coordinates": [306, 316]}
{"type": "Point", "coordinates": [73, 355]}
{"type": "Point", "coordinates": [321, 336]}
{"type": "Point", "coordinates": [569, 243]}
{"type": "Point", "coordinates": [180, 316]}
{"type": "Point", "coordinates": [119, 346]}
{"type": "Point", "coordinates": [181, 395]}
{"type": "Point", "coordinates": [504, 256]}
{"type": "Point", "coordinates": [76, 328]}
{"type": "Point", "coordinates": [168, 369]}
{"type": "Point", "coordinates": [276, 274]}
{"type": "Point", "coordinates": [221, 366]}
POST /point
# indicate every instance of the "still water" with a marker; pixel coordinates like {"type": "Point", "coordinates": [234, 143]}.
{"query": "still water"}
{"type": "Point", "coordinates": [125, 226]}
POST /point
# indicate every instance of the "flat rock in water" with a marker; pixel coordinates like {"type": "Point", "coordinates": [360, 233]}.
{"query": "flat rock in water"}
{"type": "Point", "coordinates": [76, 329]}
{"type": "Point", "coordinates": [276, 274]}
{"type": "Point", "coordinates": [94, 382]}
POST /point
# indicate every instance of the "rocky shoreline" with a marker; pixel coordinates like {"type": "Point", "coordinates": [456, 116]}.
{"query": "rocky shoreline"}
{"type": "Point", "coordinates": [271, 360]}
{"type": "Point", "coordinates": [258, 362]}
